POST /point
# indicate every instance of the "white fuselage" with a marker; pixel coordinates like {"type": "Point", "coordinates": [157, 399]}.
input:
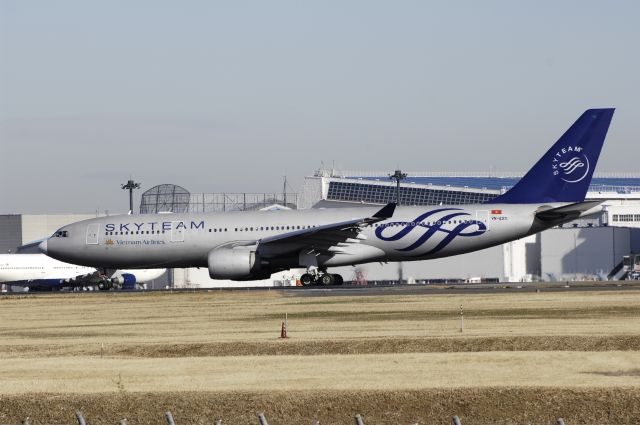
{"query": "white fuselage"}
{"type": "Point", "coordinates": [184, 240]}
{"type": "Point", "coordinates": [26, 269]}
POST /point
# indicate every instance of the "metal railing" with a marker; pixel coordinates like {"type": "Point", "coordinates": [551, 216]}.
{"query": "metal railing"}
{"type": "Point", "coordinates": [219, 202]}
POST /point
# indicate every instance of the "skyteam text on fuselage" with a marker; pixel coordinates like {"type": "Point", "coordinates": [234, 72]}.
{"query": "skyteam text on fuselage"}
{"type": "Point", "coordinates": [253, 245]}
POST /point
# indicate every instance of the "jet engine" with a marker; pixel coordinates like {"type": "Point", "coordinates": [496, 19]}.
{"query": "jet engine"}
{"type": "Point", "coordinates": [125, 279]}
{"type": "Point", "coordinates": [234, 264]}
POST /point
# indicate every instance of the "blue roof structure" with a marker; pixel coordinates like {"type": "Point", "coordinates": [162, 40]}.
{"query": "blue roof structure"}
{"type": "Point", "coordinates": [615, 184]}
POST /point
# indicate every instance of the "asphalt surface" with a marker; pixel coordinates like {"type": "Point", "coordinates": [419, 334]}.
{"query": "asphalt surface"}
{"type": "Point", "coordinates": [466, 288]}
{"type": "Point", "coordinates": [405, 289]}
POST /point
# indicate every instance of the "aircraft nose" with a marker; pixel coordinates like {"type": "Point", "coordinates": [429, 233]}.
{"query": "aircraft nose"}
{"type": "Point", "coordinates": [42, 246]}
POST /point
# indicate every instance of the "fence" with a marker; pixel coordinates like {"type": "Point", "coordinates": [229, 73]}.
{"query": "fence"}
{"type": "Point", "coordinates": [219, 202]}
{"type": "Point", "coordinates": [262, 420]}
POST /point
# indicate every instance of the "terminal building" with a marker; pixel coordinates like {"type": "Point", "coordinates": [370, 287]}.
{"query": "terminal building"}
{"type": "Point", "coordinates": [589, 248]}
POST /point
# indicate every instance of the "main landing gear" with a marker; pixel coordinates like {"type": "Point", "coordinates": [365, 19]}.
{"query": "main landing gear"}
{"type": "Point", "coordinates": [322, 278]}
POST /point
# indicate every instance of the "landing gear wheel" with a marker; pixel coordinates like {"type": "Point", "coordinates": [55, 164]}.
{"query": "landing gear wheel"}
{"type": "Point", "coordinates": [337, 279]}
{"type": "Point", "coordinates": [105, 286]}
{"type": "Point", "coordinates": [327, 279]}
{"type": "Point", "coordinates": [307, 279]}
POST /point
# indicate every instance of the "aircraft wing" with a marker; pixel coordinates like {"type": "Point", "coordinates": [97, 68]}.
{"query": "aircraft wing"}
{"type": "Point", "coordinates": [328, 238]}
{"type": "Point", "coordinates": [85, 279]}
{"type": "Point", "coordinates": [78, 280]}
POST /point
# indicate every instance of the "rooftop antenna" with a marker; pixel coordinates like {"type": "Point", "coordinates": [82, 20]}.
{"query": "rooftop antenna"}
{"type": "Point", "coordinates": [130, 185]}
{"type": "Point", "coordinates": [284, 190]}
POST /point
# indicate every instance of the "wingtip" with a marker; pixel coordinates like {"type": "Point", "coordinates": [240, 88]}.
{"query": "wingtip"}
{"type": "Point", "coordinates": [386, 211]}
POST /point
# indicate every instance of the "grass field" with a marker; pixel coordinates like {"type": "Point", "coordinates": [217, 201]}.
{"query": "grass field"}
{"type": "Point", "coordinates": [394, 358]}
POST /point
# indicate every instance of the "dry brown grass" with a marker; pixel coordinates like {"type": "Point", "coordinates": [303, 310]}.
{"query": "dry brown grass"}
{"type": "Point", "coordinates": [71, 320]}
{"type": "Point", "coordinates": [389, 372]}
{"type": "Point", "coordinates": [292, 346]}
{"type": "Point", "coordinates": [474, 406]}
{"type": "Point", "coordinates": [394, 358]}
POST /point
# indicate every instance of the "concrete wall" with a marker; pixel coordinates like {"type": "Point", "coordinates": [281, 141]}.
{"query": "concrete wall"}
{"type": "Point", "coordinates": [578, 253]}
{"type": "Point", "coordinates": [40, 226]}
{"type": "Point", "coordinates": [487, 263]}
{"type": "Point", "coordinates": [313, 190]}
{"type": "Point", "coordinates": [10, 233]}
{"type": "Point", "coordinates": [635, 241]}
{"type": "Point", "coordinates": [522, 259]}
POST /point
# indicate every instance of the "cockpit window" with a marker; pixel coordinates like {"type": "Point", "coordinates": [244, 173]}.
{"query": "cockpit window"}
{"type": "Point", "coordinates": [61, 234]}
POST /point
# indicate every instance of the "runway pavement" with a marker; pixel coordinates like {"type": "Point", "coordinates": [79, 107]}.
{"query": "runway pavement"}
{"type": "Point", "coordinates": [466, 288]}
{"type": "Point", "coordinates": [395, 289]}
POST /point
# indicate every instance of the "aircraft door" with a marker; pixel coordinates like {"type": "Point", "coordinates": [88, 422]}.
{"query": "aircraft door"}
{"type": "Point", "coordinates": [177, 231]}
{"type": "Point", "coordinates": [92, 234]}
{"type": "Point", "coordinates": [483, 216]}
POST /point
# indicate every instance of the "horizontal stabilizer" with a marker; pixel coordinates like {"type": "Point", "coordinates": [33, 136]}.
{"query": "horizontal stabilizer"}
{"type": "Point", "coordinates": [567, 212]}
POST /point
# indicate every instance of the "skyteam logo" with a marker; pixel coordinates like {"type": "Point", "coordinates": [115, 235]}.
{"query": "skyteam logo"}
{"type": "Point", "coordinates": [570, 164]}
{"type": "Point", "coordinates": [443, 225]}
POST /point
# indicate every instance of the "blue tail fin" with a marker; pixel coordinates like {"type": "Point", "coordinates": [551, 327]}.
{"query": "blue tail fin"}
{"type": "Point", "coordinates": [564, 173]}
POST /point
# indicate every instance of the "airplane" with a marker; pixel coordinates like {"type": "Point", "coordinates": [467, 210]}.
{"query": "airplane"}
{"type": "Point", "coordinates": [251, 245]}
{"type": "Point", "coordinates": [38, 271]}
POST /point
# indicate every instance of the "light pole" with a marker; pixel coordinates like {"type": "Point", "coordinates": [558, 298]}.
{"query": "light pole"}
{"type": "Point", "coordinates": [398, 176]}
{"type": "Point", "coordinates": [130, 186]}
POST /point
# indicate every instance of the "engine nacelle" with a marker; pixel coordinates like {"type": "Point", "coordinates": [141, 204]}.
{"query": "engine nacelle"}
{"type": "Point", "coordinates": [233, 263]}
{"type": "Point", "coordinates": [126, 280]}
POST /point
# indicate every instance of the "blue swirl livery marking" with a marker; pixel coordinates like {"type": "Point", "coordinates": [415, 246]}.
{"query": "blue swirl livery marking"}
{"type": "Point", "coordinates": [432, 227]}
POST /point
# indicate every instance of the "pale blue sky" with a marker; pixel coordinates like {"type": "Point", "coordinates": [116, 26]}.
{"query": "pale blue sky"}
{"type": "Point", "coordinates": [188, 92]}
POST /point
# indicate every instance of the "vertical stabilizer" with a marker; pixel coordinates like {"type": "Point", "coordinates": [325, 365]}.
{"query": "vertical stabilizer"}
{"type": "Point", "coordinates": [564, 173]}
